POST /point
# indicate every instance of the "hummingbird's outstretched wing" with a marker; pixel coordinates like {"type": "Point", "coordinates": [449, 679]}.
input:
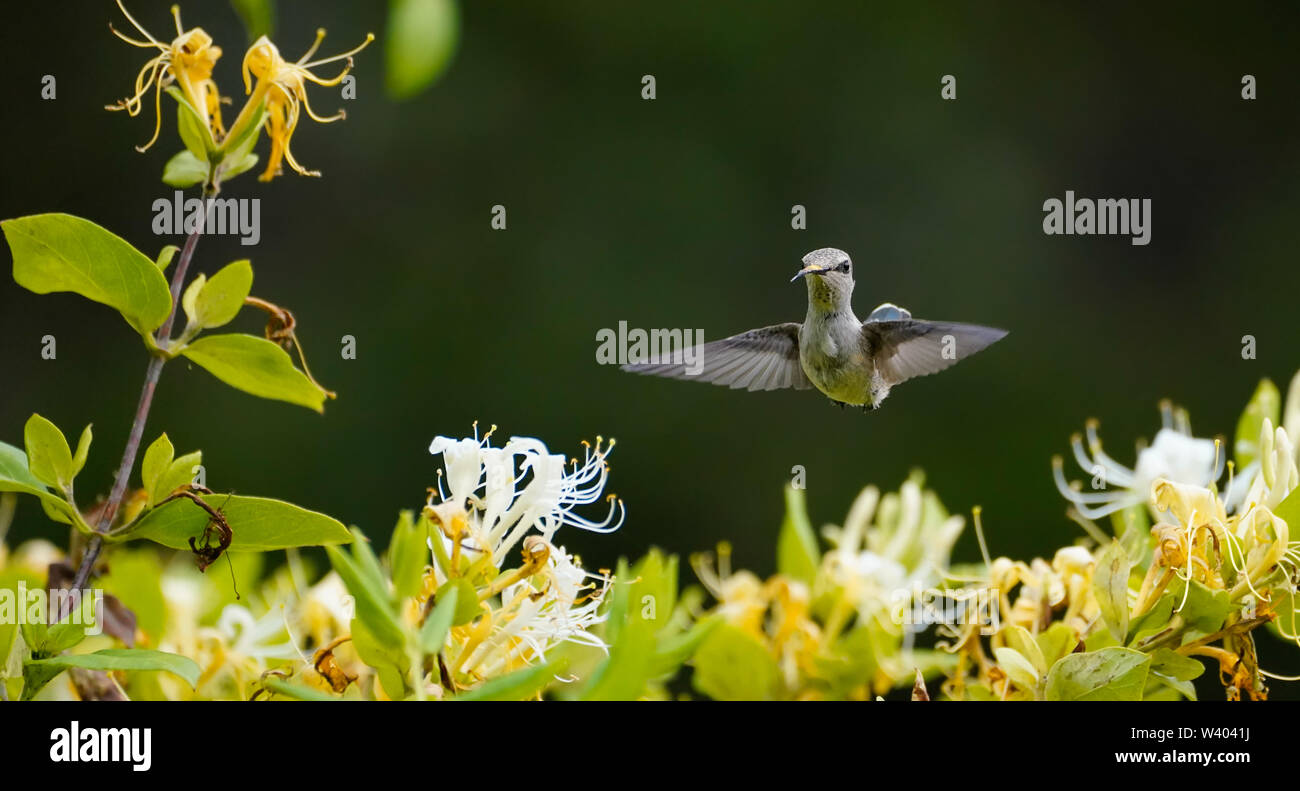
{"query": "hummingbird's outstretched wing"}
{"type": "Point", "coordinates": [762, 359]}
{"type": "Point", "coordinates": [906, 348]}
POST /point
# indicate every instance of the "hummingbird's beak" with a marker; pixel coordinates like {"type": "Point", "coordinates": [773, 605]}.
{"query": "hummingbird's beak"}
{"type": "Point", "coordinates": [811, 269]}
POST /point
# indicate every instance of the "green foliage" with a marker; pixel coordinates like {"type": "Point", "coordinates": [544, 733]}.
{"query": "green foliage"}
{"type": "Point", "coordinates": [258, 16]}
{"type": "Point", "coordinates": [409, 550]}
{"type": "Point", "coordinates": [1265, 404]}
{"type": "Point", "coordinates": [733, 665]}
{"type": "Point", "coordinates": [117, 659]}
{"type": "Point", "coordinates": [216, 302]}
{"type": "Point", "coordinates": [185, 170]}
{"type": "Point", "coordinates": [256, 366]}
{"type": "Point", "coordinates": [796, 549]}
{"type": "Point", "coordinates": [59, 252]}
{"type": "Point", "coordinates": [48, 456]}
{"type": "Point", "coordinates": [519, 685]}
{"type": "Point", "coordinates": [1107, 674]}
{"type": "Point", "coordinates": [259, 524]}
{"type": "Point", "coordinates": [16, 476]}
{"type": "Point", "coordinates": [419, 44]}
{"type": "Point", "coordinates": [162, 473]}
{"type": "Point", "coordinates": [1110, 586]}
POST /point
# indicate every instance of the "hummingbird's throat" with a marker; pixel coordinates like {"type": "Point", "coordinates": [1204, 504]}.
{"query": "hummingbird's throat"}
{"type": "Point", "coordinates": [823, 294]}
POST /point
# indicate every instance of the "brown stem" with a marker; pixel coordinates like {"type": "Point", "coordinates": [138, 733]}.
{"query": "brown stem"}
{"type": "Point", "coordinates": [141, 410]}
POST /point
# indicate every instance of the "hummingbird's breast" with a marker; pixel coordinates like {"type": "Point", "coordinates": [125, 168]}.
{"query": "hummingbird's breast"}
{"type": "Point", "coordinates": [833, 357]}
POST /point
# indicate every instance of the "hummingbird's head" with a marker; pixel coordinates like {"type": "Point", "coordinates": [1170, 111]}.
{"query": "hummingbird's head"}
{"type": "Point", "coordinates": [829, 273]}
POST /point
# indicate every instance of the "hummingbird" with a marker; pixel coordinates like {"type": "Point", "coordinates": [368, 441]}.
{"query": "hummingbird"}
{"type": "Point", "coordinates": [853, 362]}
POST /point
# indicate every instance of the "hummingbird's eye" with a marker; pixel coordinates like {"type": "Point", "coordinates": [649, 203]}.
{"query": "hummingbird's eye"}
{"type": "Point", "coordinates": [843, 267]}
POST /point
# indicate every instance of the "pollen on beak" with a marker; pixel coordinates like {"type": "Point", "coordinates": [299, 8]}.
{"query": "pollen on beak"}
{"type": "Point", "coordinates": [811, 269]}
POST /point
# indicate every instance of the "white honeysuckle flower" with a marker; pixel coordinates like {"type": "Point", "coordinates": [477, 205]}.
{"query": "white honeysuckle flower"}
{"type": "Point", "coordinates": [501, 514]}
{"type": "Point", "coordinates": [570, 603]}
{"type": "Point", "coordinates": [556, 604]}
{"type": "Point", "coordinates": [1271, 477]}
{"type": "Point", "coordinates": [249, 636]}
{"type": "Point", "coordinates": [877, 561]}
{"type": "Point", "coordinates": [1175, 455]}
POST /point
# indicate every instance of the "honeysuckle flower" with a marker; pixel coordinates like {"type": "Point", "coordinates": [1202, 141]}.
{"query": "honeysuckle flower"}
{"type": "Point", "coordinates": [281, 85]}
{"type": "Point", "coordinates": [558, 603]}
{"type": "Point", "coordinates": [891, 544]}
{"type": "Point", "coordinates": [492, 501]}
{"type": "Point", "coordinates": [249, 637]}
{"type": "Point", "coordinates": [740, 594]}
{"type": "Point", "coordinates": [1174, 455]}
{"type": "Point", "coordinates": [500, 515]}
{"type": "Point", "coordinates": [325, 611]}
{"type": "Point", "coordinates": [187, 61]}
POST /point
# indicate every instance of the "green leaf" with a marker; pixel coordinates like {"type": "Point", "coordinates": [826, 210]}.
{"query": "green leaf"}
{"type": "Point", "coordinates": [372, 605]}
{"type": "Point", "coordinates": [390, 662]}
{"type": "Point", "coordinates": [1202, 608]}
{"type": "Point", "coordinates": [83, 451]}
{"type": "Point", "coordinates": [1151, 622]}
{"type": "Point", "coordinates": [259, 524]}
{"type": "Point", "coordinates": [258, 16]}
{"type": "Point", "coordinates": [180, 473]}
{"type": "Point", "coordinates": [434, 631]}
{"type": "Point", "coordinates": [519, 685]}
{"type": "Point", "coordinates": [408, 555]}
{"type": "Point", "coordinates": [232, 166]}
{"type": "Point", "coordinates": [733, 665]}
{"type": "Point", "coordinates": [59, 252]}
{"type": "Point", "coordinates": [1265, 404]}
{"type": "Point", "coordinates": [1108, 674]}
{"type": "Point", "coordinates": [797, 556]}
{"type": "Point", "coordinates": [673, 651]}
{"type": "Point", "coordinates": [256, 366]}
{"type": "Point", "coordinates": [1289, 509]}
{"type": "Point", "coordinates": [467, 607]}
{"type": "Point", "coordinates": [126, 659]}
{"type": "Point", "coordinates": [16, 475]}
{"type": "Point", "coordinates": [1019, 639]}
{"type": "Point", "coordinates": [165, 257]}
{"type": "Point", "coordinates": [48, 456]}
{"type": "Point", "coordinates": [1019, 669]}
{"type": "Point", "coordinates": [1175, 665]}
{"type": "Point", "coordinates": [219, 299]}
{"type": "Point", "coordinates": [295, 691]}
{"type": "Point", "coordinates": [157, 459]}
{"type": "Point", "coordinates": [420, 40]}
{"type": "Point", "coordinates": [1056, 641]}
{"type": "Point", "coordinates": [630, 632]}
{"type": "Point", "coordinates": [184, 170]}
{"type": "Point", "coordinates": [1110, 586]}
{"type": "Point", "coordinates": [191, 295]}
{"type": "Point", "coordinates": [193, 127]}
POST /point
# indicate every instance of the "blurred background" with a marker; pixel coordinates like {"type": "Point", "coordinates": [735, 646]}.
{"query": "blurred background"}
{"type": "Point", "coordinates": [676, 213]}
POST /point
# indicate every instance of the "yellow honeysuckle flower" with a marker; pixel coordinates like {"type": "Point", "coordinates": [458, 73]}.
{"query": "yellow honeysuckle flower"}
{"type": "Point", "coordinates": [282, 87]}
{"type": "Point", "coordinates": [187, 61]}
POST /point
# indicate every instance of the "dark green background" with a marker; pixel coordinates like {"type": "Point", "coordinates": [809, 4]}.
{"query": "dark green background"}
{"type": "Point", "coordinates": [676, 213]}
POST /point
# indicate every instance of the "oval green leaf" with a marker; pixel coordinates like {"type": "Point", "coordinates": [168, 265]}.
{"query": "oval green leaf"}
{"type": "Point", "coordinates": [15, 476]}
{"type": "Point", "coordinates": [256, 366]}
{"type": "Point", "coordinates": [59, 252]}
{"type": "Point", "coordinates": [259, 524]}
{"type": "Point", "coordinates": [127, 659]}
